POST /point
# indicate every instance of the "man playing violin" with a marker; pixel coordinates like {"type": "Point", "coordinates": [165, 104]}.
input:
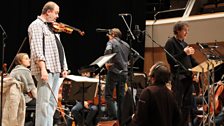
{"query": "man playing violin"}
{"type": "Point", "coordinates": [48, 61]}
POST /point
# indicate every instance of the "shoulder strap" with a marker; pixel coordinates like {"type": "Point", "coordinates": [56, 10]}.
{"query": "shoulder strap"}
{"type": "Point", "coordinates": [43, 44]}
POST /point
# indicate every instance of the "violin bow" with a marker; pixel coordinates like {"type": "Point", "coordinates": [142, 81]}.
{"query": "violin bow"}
{"type": "Point", "coordinates": [10, 67]}
{"type": "Point", "coordinates": [57, 104]}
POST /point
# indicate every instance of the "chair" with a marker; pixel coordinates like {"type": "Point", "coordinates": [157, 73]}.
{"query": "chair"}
{"type": "Point", "coordinates": [30, 116]}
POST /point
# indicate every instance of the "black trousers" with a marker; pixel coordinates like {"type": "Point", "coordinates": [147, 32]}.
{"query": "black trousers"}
{"type": "Point", "coordinates": [182, 87]}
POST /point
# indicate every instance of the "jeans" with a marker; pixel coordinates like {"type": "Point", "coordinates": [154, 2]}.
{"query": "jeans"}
{"type": "Point", "coordinates": [76, 112]}
{"type": "Point", "coordinates": [46, 99]}
{"type": "Point", "coordinates": [114, 81]}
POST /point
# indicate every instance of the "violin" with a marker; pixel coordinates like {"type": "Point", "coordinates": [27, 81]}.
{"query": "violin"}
{"type": "Point", "coordinates": [60, 106]}
{"type": "Point", "coordinates": [61, 27]}
{"type": "Point", "coordinates": [102, 99]}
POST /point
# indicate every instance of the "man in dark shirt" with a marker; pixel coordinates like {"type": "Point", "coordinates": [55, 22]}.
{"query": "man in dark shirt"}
{"type": "Point", "coordinates": [157, 105]}
{"type": "Point", "coordinates": [181, 77]}
{"type": "Point", "coordinates": [117, 73]}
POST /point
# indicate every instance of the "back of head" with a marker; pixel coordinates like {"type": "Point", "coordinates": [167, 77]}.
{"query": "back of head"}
{"type": "Point", "coordinates": [115, 32]}
{"type": "Point", "coordinates": [160, 73]}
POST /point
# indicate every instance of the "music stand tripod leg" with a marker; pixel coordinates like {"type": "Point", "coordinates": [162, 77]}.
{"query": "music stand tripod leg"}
{"type": "Point", "coordinates": [83, 102]}
{"type": "Point", "coordinates": [99, 98]}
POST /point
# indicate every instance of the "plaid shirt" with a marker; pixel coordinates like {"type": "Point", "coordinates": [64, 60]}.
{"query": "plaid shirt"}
{"type": "Point", "coordinates": [39, 31]}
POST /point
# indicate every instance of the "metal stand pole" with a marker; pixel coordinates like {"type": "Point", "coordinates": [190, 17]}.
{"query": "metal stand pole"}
{"type": "Point", "coordinates": [4, 36]}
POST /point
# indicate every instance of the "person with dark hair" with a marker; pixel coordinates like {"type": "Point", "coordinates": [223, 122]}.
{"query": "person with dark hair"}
{"type": "Point", "coordinates": [48, 62]}
{"type": "Point", "coordinates": [117, 72]}
{"type": "Point", "coordinates": [181, 76]}
{"type": "Point", "coordinates": [157, 105]}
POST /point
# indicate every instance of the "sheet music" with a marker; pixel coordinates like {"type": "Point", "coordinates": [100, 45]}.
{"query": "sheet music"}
{"type": "Point", "coordinates": [82, 78]}
{"type": "Point", "coordinates": [103, 59]}
{"type": "Point", "coordinates": [61, 79]}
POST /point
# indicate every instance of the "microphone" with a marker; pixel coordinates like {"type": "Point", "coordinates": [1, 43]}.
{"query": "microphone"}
{"type": "Point", "coordinates": [102, 30]}
{"type": "Point", "coordinates": [137, 31]}
{"type": "Point", "coordinates": [203, 46]}
{"type": "Point", "coordinates": [124, 14]}
{"type": "Point", "coordinates": [200, 45]}
{"type": "Point", "coordinates": [212, 46]}
{"type": "Point", "coordinates": [214, 57]}
{"type": "Point", "coordinates": [3, 31]}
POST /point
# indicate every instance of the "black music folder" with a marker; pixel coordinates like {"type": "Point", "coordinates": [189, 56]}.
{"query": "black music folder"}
{"type": "Point", "coordinates": [97, 64]}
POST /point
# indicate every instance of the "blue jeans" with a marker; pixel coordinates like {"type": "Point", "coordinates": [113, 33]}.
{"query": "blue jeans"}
{"type": "Point", "coordinates": [114, 81]}
{"type": "Point", "coordinates": [76, 112]}
{"type": "Point", "coordinates": [46, 103]}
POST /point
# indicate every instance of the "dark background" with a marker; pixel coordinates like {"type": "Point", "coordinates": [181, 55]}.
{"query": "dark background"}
{"type": "Point", "coordinates": [86, 15]}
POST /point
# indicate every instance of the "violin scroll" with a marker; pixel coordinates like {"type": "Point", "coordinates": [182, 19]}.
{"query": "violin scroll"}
{"type": "Point", "coordinates": [4, 70]}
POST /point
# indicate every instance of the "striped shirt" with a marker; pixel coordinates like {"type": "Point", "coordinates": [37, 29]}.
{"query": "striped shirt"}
{"type": "Point", "coordinates": [39, 31]}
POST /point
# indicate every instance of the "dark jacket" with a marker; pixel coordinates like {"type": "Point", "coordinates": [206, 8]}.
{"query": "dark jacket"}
{"type": "Point", "coordinates": [176, 49]}
{"type": "Point", "coordinates": [157, 107]}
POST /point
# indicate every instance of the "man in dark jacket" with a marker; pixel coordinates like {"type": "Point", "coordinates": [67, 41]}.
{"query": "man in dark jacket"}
{"type": "Point", "coordinates": [157, 105]}
{"type": "Point", "coordinates": [181, 77]}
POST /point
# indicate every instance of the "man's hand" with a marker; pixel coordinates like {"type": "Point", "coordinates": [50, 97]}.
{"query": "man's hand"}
{"type": "Point", "coordinates": [108, 65]}
{"type": "Point", "coordinates": [44, 75]}
{"type": "Point", "coordinates": [86, 104]}
{"type": "Point", "coordinates": [64, 73]}
{"type": "Point", "coordinates": [30, 94]}
{"type": "Point", "coordinates": [189, 50]}
{"type": "Point", "coordinates": [43, 70]}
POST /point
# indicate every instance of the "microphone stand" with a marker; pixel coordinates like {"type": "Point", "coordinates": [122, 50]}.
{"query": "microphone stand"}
{"type": "Point", "coordinates": [210, 81]}
{"type": "Point", "coordinates": [217, 55]}
{"type": "Point", "coordinates": [131, 62]}
{"type": "Point", "coordinates": [135, 52]}
{"type": "Point", "coordinates": [4, 36]}
{"type": "Point", "coordinates": [100, 94]}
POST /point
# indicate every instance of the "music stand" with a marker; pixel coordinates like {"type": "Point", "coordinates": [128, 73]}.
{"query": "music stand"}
{"type": "Point", "coordinates": [206, 65]}
{"type": "Point", "coordinates": [85, 89]}
{"type": "Point", "coordinates": [79, 90]}
{"type": "Point", "coordinates": [97, 64]}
